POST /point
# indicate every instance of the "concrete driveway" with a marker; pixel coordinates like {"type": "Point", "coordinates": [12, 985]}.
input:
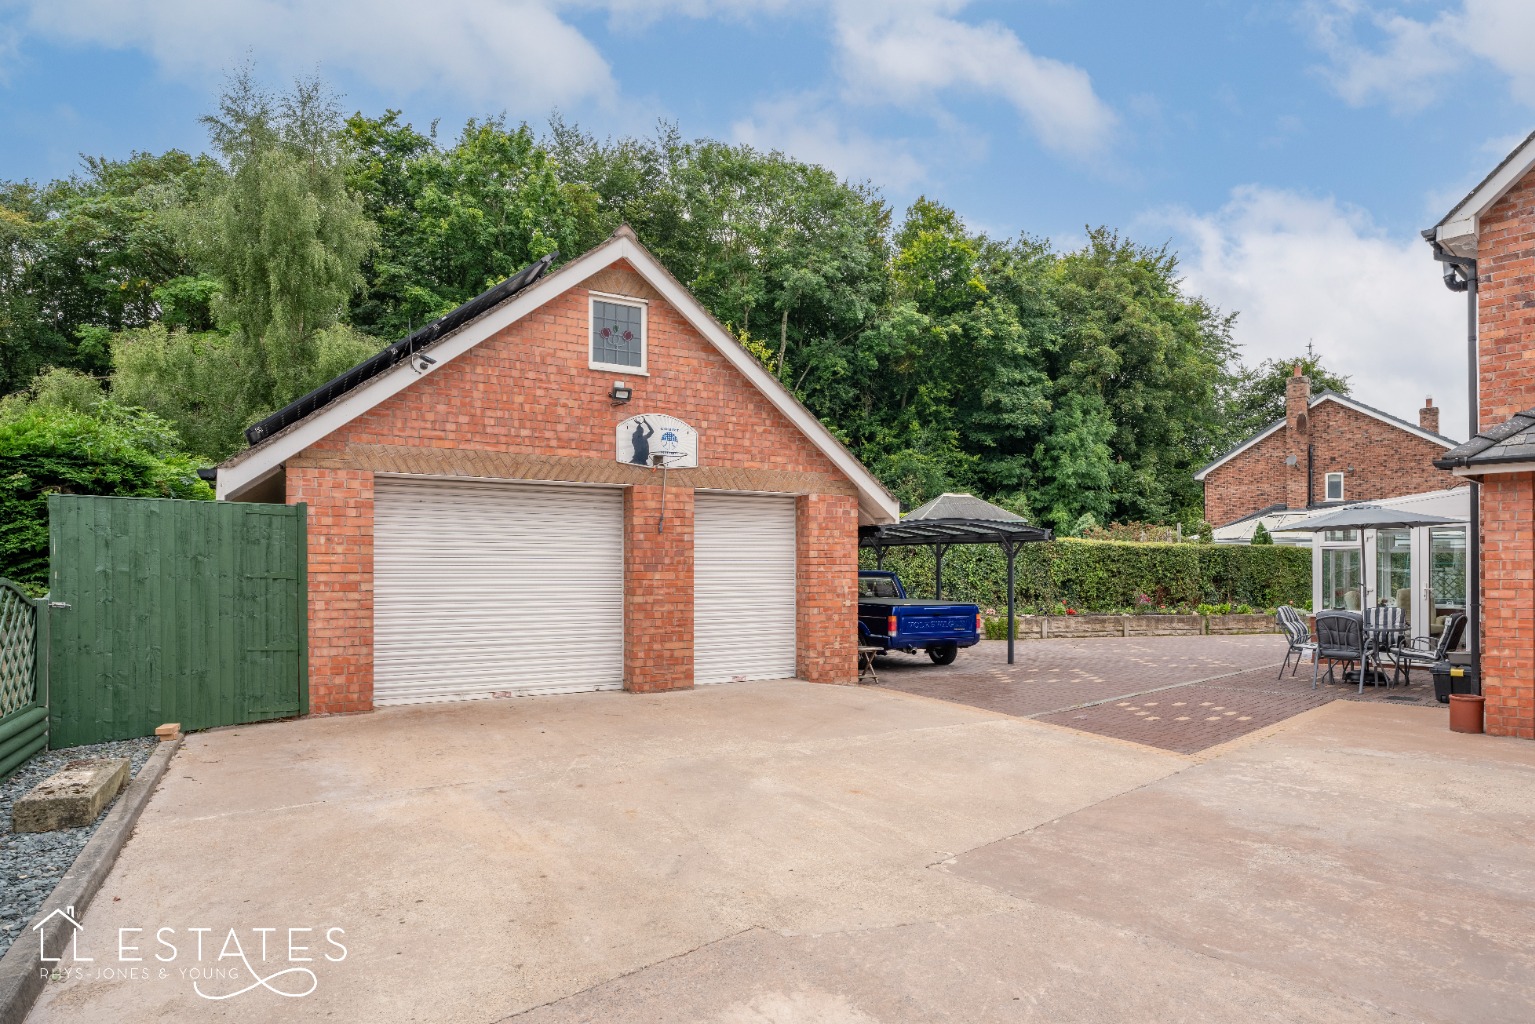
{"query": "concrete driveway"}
{"type": "Point", "coordinates": [782, 852]}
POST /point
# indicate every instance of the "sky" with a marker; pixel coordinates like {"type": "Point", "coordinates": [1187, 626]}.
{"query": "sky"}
{"type": "Point", "coordinates": [1290, 152]}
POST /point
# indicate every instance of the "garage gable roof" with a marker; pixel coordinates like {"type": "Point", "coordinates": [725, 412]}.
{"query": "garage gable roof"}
{"type": "Point", "coordinates": [322, 412]}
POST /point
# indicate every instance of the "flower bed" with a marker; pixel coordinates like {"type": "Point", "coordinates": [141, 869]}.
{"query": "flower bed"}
{"type": "Point", "coordinates": [1035, 627]}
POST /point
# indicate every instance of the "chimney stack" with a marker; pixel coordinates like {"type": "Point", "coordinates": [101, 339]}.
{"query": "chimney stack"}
{"type": "Point", "coordinates": [1297, 407]}
{"type": "Point", "coordinates": [1428, 416]}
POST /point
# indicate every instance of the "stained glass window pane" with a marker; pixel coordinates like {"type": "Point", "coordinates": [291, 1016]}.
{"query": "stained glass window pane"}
{"type": "Point", "coordinates": [617, 335]}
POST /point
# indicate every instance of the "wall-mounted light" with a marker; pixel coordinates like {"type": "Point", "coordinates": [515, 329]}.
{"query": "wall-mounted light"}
{"type": "Point", "coordinates": [621, 392]}
{"type": "Point", "coordinates": [422, 362]}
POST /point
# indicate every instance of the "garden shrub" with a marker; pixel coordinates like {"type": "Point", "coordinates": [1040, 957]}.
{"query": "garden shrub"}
{"type": "Point", "coordinates": [1106, 576]}
{"type": "Point", "coordinates": [46, 449]}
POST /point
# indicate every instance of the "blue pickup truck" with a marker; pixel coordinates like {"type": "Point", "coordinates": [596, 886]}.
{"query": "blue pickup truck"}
{"type": "Point", "coordinates": [887, 618]}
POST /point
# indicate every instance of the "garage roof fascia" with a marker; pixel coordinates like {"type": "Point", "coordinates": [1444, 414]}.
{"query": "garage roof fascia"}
{"type": "Point", "coordinates": [248, 468]}
{"type": "Point", "coordinates": [1459, 230]}
{"type": "Point", "coordinates": [1348, 403]}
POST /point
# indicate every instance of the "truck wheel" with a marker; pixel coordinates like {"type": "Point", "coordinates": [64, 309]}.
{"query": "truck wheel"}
{"type": "Point", "coordinates": [944, 654]}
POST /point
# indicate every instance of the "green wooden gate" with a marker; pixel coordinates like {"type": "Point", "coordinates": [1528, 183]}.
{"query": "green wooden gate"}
{"type": "Point", "coordinates": [174, 611]}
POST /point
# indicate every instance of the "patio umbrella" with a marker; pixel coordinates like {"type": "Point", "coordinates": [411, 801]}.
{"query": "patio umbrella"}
{"type": "Point", "coordinates": [1367, 517]}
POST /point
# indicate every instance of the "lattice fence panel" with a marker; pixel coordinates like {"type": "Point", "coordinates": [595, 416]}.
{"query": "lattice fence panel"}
{"type": "Point", "coordinates": [18, 649]}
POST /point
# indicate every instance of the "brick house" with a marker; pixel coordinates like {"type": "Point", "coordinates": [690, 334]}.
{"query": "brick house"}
{"type": "Point", "coordinates": [576, 481]}
{"type": "Point", "coordinates": [1328, 449]}
{"type": "Point", "coordinates": [1488, 244]}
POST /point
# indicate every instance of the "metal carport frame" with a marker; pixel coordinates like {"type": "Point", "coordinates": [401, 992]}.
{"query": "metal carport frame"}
{"type": "Point", "coordinates": [951, 519]}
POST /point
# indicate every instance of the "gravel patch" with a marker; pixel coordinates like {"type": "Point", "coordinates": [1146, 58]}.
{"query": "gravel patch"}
{"type": "Point", "coordinates": [31, 863]}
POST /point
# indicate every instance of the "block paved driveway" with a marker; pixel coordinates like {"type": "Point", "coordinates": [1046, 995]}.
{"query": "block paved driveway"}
{"type": "Point", "coordinates": [1177, 693]}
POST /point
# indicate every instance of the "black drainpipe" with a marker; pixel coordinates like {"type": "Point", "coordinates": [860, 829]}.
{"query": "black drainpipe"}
{"type": "Point", "coordinates": [1460, 276]}
{"type": "Point", "coordinates": [1310, 476]}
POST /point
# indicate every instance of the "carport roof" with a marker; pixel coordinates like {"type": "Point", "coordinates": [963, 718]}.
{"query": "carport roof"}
{"type": "Point", "coordinates": [953, 519]}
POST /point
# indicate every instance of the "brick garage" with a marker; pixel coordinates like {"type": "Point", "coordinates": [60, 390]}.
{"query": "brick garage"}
{"type": "Point", "coordinates": [1377, 455]}
{"type": "Point", "coordinates": [512, 396]}
{"type": "Point", "coordinates": [1494, 229]}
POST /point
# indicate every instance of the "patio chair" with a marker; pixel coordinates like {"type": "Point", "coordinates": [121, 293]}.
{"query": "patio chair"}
{"type": "Point", "coordinates": [1339, 637]}
{"type": "Point", "coordinates": [1423, 651]}
{"type": "Point", "coordinates": [1384, 628]}
{"type": "Point", "coordinates": [1298, 634]}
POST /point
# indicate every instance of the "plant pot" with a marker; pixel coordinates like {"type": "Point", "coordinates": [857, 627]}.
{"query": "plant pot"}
{"type": "Point", "coordinates": [1466, 712]}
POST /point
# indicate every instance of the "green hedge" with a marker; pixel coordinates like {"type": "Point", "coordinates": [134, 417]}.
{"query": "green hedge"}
{"type": "Point", "coordinates": [1108, 576]}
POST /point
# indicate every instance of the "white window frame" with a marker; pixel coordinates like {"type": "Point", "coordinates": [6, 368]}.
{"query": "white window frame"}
{"type": "Point", "coordinates": [592, 299]}
{"type": "Point", "coordinates": [1327, 487]}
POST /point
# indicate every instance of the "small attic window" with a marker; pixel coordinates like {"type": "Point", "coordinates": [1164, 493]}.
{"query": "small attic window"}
{"type": "Point", "coordinates": [1334, 486]}
{"type": "Point", "coordinates": [618, 334]}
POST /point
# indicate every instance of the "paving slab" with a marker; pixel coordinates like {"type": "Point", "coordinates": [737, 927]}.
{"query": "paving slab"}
{"type": "Point", "coordinates": [1361, 850]}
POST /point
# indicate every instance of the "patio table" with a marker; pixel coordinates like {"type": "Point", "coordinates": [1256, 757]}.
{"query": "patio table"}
{"type": "Point", "coordinates": [1384, 628]}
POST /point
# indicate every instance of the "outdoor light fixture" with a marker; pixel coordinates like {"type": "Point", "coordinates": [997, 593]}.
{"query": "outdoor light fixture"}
{"type": "Point", "coordinates": [422, 362]}
{"type": "Point", "coordinates": [621, 392]}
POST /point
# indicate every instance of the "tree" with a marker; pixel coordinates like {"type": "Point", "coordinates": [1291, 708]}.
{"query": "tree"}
{"type": "Point", "coordinates": [88, 255]}
{"type": "Point", "coordinates": [455, 222]}
{"type": "Point", "coordinates": [1155, 358]}
{"type": "Point", "coordinates": [1258, 394]}
{"type": "Point", "coordinates": [1261, 535]}
{"type": "Point", "coordinates": [275, 240]}
{"type": "Point", "coordinates": [282, 233]}
{"type": "Point", "coordinates": [792, 258]}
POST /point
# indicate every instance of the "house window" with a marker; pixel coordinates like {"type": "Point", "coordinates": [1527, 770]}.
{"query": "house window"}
{"type": "Point", "coordinates": [618, 335]}
{"type": "Point", "coordinates": [1334, 486]}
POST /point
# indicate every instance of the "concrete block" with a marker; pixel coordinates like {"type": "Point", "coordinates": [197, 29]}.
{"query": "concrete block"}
{"type": "Point", "coordinates": [72, 797]}
{"type": "Point", "coordinates": [168, 731]}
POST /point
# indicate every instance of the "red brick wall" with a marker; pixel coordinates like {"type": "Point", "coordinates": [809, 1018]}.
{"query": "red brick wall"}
{"type": "Point", "coordinates": [340, 586]}
{"type": "Point", "coordinates": [658, 589]}
{"type": "Point", "coordinates": [1505, 269]}
{"type": "Point", "coordinates": [1377, 459]}
{"type": "Point", "coordinates": [826, 576]}
{"type": "Point", "coordinates": [1386, 461]}
{"type": "Point", "coordinates": [1255, 479]}
{"type": "Point", "coordinates": [1506, 363]}
{"type": "Point", "coordinates": [1508, 603]}
{"type": "Point", "coordinates": [528, 391]}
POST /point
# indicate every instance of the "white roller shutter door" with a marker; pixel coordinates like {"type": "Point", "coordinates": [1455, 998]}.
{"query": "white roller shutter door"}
{"type": "Point", "coordinates": [743, 587]}
{"type": "Point", "coordinates": [488, 589]}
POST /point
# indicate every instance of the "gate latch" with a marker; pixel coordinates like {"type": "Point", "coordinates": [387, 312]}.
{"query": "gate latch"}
{"type": "Point", "coordinates": [58, 604]}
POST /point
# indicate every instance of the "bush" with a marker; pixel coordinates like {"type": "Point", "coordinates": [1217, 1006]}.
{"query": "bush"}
{"type": "Point", "coordinates": [46, 449]}
{"type": "Point", "coordinates": [1105, 576]}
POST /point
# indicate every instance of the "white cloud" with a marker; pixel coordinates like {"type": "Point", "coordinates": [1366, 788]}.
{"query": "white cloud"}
{"type": "Point", "coordinates": [525, 56]}
{"type": "Point", "coordinates": [516, 53]}
{"type": "Point", "coordinates": [810, 131]}
{"type": "Point", "coordinates": [1408, 57]}
{"type": "Point", "coordinates": [1301, 269]}
{"type": "Point", "coordinates": [913, 51]}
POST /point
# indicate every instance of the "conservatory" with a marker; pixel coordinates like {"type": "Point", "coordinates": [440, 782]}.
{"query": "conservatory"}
{"type": "Point", "coordinates": [1421, 570]}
